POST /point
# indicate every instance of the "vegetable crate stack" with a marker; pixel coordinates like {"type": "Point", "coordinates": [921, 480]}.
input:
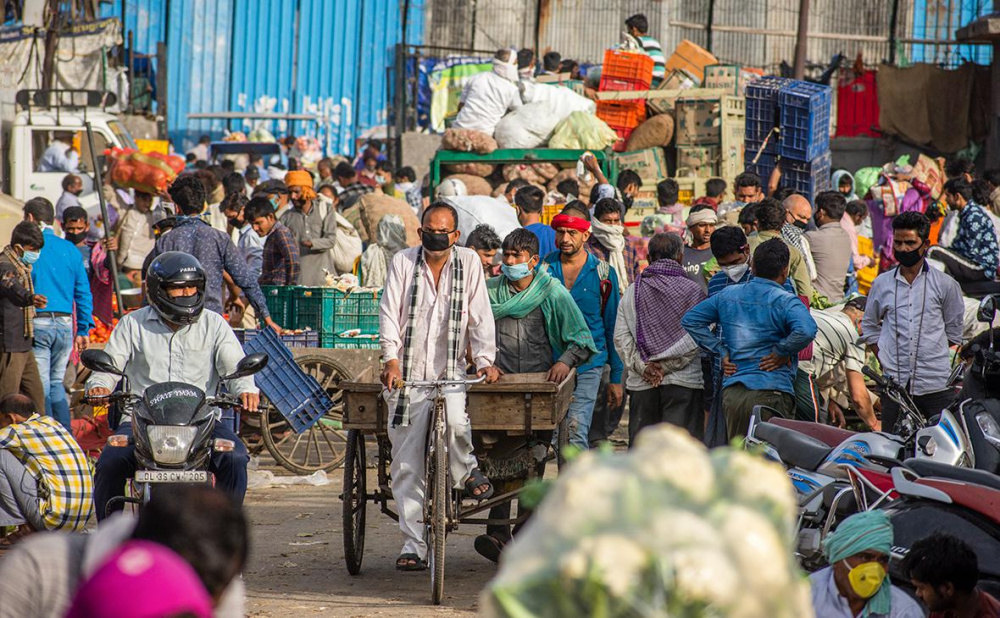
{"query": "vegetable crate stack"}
{"type": "Point", "coordinates": [343, 319]}
{"type": "Point", "coordinates": [788, 122]}
{"type": "Point", "coordinates": [624, 71]}
{"type": "Point", "coordinates": [710, 132]}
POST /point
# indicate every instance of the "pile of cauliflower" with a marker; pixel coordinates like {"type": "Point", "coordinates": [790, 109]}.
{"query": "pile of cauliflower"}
{"type": "Point", "coordinates": [667, 529]}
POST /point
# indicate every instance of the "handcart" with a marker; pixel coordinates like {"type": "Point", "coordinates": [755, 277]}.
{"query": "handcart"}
{"type": "Point", "coordinates": [513, 420]}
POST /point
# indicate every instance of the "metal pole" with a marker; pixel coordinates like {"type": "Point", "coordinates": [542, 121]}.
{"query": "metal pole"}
{"type": "Point", "coordinates": [708, 25]}
{"type": "Point", "coordinates": [893, 17]}
{"type": "Point", "coordinates": [801, 41]}
{"type": "Point", "coordinates": [99, 185]}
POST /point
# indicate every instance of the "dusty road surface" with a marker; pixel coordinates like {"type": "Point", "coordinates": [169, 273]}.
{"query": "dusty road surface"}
{"type": "Point", "coordinates": [297, 562]}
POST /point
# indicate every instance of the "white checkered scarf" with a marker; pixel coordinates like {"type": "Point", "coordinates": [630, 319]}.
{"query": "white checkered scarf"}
{"type": "Point", "coordinates": [402, 415]}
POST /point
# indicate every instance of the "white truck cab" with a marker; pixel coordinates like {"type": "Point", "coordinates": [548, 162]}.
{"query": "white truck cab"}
{"type": "Point", "coordinates": [47, 114]}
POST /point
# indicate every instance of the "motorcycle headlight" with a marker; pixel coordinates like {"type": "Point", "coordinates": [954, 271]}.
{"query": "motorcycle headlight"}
{"type": "Point", "coordinates": [990, 428]}
{"type": "Point", "coordinates": [170, 444]}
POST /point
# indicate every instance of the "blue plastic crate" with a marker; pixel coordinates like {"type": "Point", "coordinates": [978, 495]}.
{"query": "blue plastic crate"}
{"type": "Point", "coordinates": [805, 120]}
{"type": "Point", "coordinates": [294, 393]}
{"type": "Point", "coordinates": [808, 178]}
{"type": "Point", "coordinates": [762, 111]}
{"type": "Point", "coordinates": [763, 167]}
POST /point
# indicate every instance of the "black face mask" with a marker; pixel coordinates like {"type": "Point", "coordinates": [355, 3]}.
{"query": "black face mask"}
{"type": "Point", "coordinates": [627, 200]}
{"type": "Point", "coordinates": [908, 258]}
{"type": "Point", "coordinates": [76, 238]}
{"type": "Point", "coordinates": [435, 242]}
{"type": "Point", "coordinates": [236, 223]}
{"type": "Point", "coordinates": [800, 224]}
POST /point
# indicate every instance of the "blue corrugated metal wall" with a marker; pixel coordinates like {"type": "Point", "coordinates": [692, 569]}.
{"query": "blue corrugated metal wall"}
{"type": "Point", "coordinates": [262, 56]}
{"type": "Point", "coordinates": [198, 57]}
{"type": "Point", "coordinates": [146, 19]}
{"type": "Point", "coordinates": [236, 55]}
{"type": "Point", "coordinates": [329, 67]}
{"type": "Point", "coordinates": [939, 20]}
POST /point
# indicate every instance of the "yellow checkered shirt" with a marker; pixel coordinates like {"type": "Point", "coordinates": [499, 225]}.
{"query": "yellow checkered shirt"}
{"type": "Point", "coordinates": [53, 457]}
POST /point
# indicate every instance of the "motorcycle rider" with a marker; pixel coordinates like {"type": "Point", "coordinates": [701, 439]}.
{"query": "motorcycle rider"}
{"type": "Point", "coordinates": [173, 339]}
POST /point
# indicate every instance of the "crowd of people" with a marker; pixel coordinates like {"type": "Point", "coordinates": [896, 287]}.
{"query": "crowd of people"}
{"type": "Point", "coordinates": [717, 307]}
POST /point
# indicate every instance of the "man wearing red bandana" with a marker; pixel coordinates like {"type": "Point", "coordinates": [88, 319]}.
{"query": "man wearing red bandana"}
{"type": "Point", "coordinates": [593, 284]}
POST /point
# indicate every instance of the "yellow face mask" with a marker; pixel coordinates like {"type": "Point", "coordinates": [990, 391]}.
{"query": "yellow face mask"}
{"type": "Point", "coordinates": [866, 578]}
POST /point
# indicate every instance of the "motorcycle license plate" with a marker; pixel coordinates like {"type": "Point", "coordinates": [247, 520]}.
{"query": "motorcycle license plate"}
{"type": "Point", "coordinates": [171, 476]}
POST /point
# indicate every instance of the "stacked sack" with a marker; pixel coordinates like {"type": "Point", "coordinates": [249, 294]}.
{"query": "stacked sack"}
{"type": "Point", "coordinates": [149, 173]}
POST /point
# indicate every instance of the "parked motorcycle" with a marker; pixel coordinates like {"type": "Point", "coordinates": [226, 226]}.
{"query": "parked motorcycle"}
{"type": "Point", "coordinates": [835, 472]}
{"type": "Point", "coordinates": [172, 425]}
{"type": "Point", "coordinates": [816, 457]}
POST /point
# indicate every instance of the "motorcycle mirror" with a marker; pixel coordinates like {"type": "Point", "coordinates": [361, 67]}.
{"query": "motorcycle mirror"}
{"type": "Point", "coordinates": [100, 361]}
{"type": "Point", "coordinates": [250, 365]}
{"type": "Point", "coordinates": [987, 309]}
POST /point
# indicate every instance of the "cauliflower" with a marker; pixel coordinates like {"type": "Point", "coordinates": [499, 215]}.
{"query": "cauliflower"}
{"type": "Point", "coordinates": [664, 529]}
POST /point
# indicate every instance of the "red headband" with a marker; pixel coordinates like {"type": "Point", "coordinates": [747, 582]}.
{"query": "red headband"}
{"type": "Point", "coordinates": [573, 223]}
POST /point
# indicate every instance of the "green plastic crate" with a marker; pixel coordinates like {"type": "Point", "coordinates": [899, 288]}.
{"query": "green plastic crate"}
{"type": "Point", "coordinates": [331, 311]}
{"type": "Point", "coordinates": [281, 303]}
{"type": "Point", "coordinates": [363, 342]}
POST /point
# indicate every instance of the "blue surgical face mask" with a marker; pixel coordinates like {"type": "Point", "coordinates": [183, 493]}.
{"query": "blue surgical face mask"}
{"type": "Point", "coordinates": [30, 257]}
{"type": "Point", "coordinates": [516, 272]}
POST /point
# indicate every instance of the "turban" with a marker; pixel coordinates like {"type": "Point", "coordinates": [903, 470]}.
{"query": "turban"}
{"type": "Point", "coordinates": [571, 222]}
{"type": "Point", "coordinates": [303, 180]}
{"type": "Point", "coordinates": [702, 216]}
{"type": "Point", "coordinates": [867, 531]}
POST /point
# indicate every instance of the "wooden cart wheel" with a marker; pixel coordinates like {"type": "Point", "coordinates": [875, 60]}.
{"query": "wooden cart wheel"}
{"type": "Point", "coordinates": [562, 441]}
{"type": "Point", "coordinates": [354, 498]}
{"type": "Point", "coordinates": [439, 490]}
{"type": "Point", "coordinates": [322, 446]}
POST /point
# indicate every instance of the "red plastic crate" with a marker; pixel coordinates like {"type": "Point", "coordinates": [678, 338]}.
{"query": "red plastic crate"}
{"type": "Point", "coordinates": [622, 115]}
{"type": "Point", "coordinates": [627, 68]}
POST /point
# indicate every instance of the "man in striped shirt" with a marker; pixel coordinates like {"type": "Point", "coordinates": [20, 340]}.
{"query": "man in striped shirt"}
{"type": "Point", "coordinates": [637, 27]}
{"type": "Point", "coordinates": [45, 481]}
{"type": "Point", "coordinates": [834, 372]}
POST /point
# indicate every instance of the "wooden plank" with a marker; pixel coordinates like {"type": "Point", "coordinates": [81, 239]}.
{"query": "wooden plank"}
{"type": "Point", "coordinates": [689, 93]}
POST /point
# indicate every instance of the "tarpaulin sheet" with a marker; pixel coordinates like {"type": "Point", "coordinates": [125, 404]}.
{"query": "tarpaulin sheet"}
{"type": "Point", "coordinates": [79, 62]}
{"type": "Point", "coordinates": [932, 107]}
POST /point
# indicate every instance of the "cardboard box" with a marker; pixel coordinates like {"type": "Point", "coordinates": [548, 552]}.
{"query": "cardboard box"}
{"type": "Point", "coordinates": [676, 80]}
{"type": "Point", "coordinates": [692, 58]}
{"type": "Point", "coordinates": [650, 164]}
{"type": "Point", "coordinates": [698, 121]}
{"type": "Point", "coordinates": [724, 77]}
{"type": "Point", "coordinates": [701, 161]}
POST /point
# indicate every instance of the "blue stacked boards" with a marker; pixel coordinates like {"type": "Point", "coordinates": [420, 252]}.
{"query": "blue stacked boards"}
{"type": "Point", "coordinates": [294, 393]}
{"type": "Point", "coordinates": [805, 120]}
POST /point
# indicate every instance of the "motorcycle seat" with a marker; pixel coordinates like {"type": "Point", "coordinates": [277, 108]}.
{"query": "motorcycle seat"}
{"type": "Point", "coordinates": [831, 436]}
{"type": "Point", "coordinates": [924, 467]}
{"type": "Point", "coordinates": [794, 448]}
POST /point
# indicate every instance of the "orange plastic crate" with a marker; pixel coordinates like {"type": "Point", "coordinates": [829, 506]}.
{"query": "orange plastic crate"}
{"type": "Point", "coordinates": [626, 71]}
{"type": "Point", "coordinates": [622, 115]}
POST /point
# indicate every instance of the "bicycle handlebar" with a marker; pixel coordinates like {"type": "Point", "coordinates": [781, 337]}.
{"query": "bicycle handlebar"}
{"type": "Point", "coordinates": [435, 383]}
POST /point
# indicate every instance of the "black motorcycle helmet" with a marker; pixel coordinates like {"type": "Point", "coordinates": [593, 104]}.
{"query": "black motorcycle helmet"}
{"type": "Point", "coordinates": [175, 269]}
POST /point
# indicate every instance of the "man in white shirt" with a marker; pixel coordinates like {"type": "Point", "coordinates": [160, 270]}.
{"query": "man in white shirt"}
{"type": "Point", "coordinates": [912, 316]}
{"type": "Point", "coordinates": [173, 340]}
{"type": "Point", "coordinates": [60, 156]}
{"type": "Point", "coordinates": [434, 307]}
{"type": "Point", "coordinates": [490, 95]}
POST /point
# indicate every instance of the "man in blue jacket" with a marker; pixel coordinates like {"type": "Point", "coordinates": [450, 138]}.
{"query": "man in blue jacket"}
{"type": "Point", "coordinates": [593, 284]}
{"type": "Point", "coordinates": [763, 329]}
{"type": "Point", "coordinates": [59, 276]}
